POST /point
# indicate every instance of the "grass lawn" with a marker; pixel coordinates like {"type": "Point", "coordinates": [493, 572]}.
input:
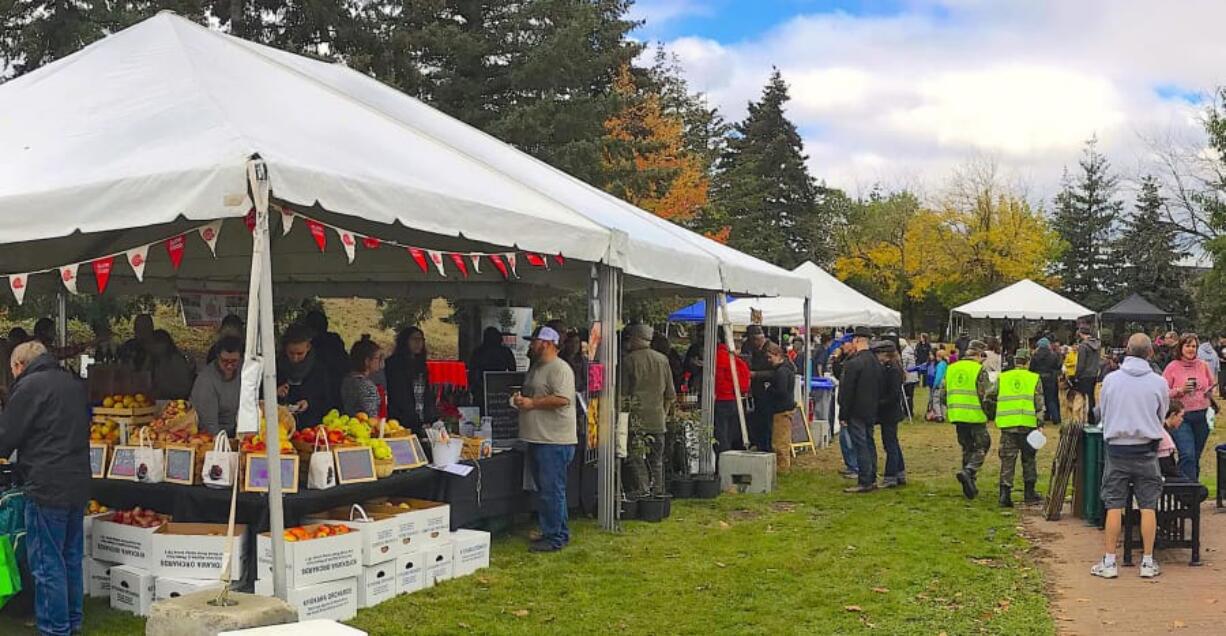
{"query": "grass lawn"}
{"type": "Point", "coordinates": [805, 559]}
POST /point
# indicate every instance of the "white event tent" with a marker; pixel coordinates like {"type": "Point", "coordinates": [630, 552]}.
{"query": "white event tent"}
{"type": "Point", "coordinates": [167, 128]}
{"type": "Point", "coordinates": [1023, 300]}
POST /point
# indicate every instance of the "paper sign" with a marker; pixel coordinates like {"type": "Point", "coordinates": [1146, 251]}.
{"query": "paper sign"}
{"type": "Point", "coordinates": [97, 460]}
{"type": "Point", "coordinates": [461, 470]}
{"type": "Point", "coordinates": [207, 309]}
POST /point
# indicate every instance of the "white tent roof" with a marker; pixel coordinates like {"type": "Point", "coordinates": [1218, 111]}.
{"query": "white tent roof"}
{"type": "Point", "coordinates": [835, 304]}
{"type": "Point", "coordinates": [1024, 299]}
{"type": "Point", "coordinates": [152, 128]}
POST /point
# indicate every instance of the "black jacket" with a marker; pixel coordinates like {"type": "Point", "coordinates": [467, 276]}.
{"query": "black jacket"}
{"type": "Point", "coordinates": [860, 388]}
{"type": "Point", "coordinates": [316, 388]}
{"type": "Point", "coordinates": [781, 392]}
{"type": "Point", "coordinates": [890, 403]}
{"type": "Point", "coordinates": [47, 423]}
{"type": "Point", "coordinates": [1048, 365]}
{"type": "Point", "coordinates": [401, 404]}
{"type": "Point", "coordinates": [487, 357]}
{"type": "Point", "coordinates": [923, 352]}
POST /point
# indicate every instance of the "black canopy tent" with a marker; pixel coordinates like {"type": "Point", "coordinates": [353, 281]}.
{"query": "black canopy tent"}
{"type": "Point", "coordinates": [1136, 308]}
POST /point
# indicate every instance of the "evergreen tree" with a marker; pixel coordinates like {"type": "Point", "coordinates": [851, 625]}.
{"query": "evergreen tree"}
{"type": "Point", "coordinates": [1086, 213]}
{"type": "Point", "coordinates": [1147, 252]}
{"type": "Point", "coordinates": [764, 190]}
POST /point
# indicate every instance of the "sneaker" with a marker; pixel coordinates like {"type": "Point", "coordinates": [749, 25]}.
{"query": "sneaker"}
{"type": "Point", "coordinates": [535, 535]}
{"type": "Point", "coordinates": [1101, 569]}
{"type": "Point", "coordinates": [860, 489]}
{"type": "Point", "coordinates": [543, 546]}
{"type": "Point", "coordinates": [850, 474]}
{"type": "Point", "coordinates": [1150, 570]}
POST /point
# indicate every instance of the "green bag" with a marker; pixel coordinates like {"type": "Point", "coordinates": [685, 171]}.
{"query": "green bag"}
{"type": "Point", "coordinates": [10, 572]}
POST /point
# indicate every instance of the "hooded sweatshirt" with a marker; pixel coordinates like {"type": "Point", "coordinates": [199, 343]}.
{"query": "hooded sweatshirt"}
{"type": "Point", "coordinates": [1089, 357]}
{"type": "Point", "coordinates": [1177, 374]}
{"type": "Point", "coordinates": [1133, 404]}
{"type": "Point", "coordinates": [1205, 352]}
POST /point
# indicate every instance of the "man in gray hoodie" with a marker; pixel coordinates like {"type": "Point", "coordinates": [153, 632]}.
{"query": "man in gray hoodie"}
{"type": "Point", "coordinates": [1089, 360]}
{"type": "Point", "coordinates": [1134, 403]}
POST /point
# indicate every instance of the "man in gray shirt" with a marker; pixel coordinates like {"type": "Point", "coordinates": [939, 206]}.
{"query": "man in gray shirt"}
{"type": "Point", "coordinates": [547, 423]}
{"type": "Point", "coordinates": [215, 393]}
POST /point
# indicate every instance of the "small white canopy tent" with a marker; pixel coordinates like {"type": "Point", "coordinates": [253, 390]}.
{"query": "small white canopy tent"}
{"type": "Point", "coordinates": [1023, 300]}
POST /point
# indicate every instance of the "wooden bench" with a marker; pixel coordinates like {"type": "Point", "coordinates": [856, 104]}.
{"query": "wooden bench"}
{"type": "Point", "coordinates": [1178, 519]}
{"type": "Point", "coordinates": [1221, 473]}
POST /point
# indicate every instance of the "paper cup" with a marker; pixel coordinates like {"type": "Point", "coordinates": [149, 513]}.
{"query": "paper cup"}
{"type": "Point", "coordinates": [1036, 439]}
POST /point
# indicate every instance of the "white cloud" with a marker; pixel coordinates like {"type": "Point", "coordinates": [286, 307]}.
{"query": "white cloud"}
{"type": "Point", "coordinates": [906, 97]}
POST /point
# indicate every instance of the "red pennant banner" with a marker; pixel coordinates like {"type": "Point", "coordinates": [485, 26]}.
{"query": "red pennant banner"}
{"type": "Point", "coordinates": [317, 232]}
{"type": "Point", "coordinates": [102, 272]}
{"type": "Point", "coordinates": [68, 274]}
{"type": "Point", "coordinates": [419, 257]}
{"type": "Point", "coordinates": [458, 259]}
{"type": "Point", "coordinates": [511, 263]}
{"type": "Point", "coordinates": [371, 243]}
{"type": "Point", "coordinates": [536, 260]}
{"type": "Point", "coordinates": [559, 259]}
{"type": "Point", "coordinates": [17, 283]}
{"type": "Point", "coordinates": [436, 257]}
{"type": "Point", "coordinates": [250, 220]}
{"type": "Point", "coordinates": [174, 248]}
{"type": "Point", "coordinates": [500, 265]}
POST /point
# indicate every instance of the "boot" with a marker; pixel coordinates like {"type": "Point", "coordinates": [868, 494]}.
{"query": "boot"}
{"type": "Point", "coordinates": [969, 489]}
{"type": "Point", "coordinates": [1032, 496]}
{"type": "Point", "coordinates": [1006, 497]}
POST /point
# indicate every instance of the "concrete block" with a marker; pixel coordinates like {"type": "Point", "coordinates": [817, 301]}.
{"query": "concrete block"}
{"type": "Point", "coordinates": [191, 615]}
{"type": "Point", "coordinates": [745, 471]}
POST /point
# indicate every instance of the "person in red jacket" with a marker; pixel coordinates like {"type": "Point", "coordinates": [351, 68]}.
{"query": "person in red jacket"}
{"type": "Point", "coordinates": [727, 422]}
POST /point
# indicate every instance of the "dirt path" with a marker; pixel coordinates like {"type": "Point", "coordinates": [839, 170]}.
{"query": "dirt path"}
{"type": "Point", "coordinates": [1183, 600]}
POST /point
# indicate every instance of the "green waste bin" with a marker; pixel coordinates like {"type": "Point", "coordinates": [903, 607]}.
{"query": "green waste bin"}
{"type": "Point", "coordinates": [1092, 475]}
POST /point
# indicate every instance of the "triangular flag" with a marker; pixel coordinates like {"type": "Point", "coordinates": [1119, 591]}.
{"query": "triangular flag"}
{"type": "Point", "coordinates": [317, 232]}
{"type": "Point", "coordinates": [500, 265]}
{"type": "Point", "coordinates": [102, 272]}
{"type": "Point", "coordinates": [347, 241]}
{"type": "Point", "coordinates": [137, 257]}
{"type": "Point", "coordinates": [419, 257]}
{"type": "Point", "coordinates": [68, 274]}
{"type": "Point", "coordinates": [371, 243]}
{"type": "Point", "coordinates": [210, 233]}
{"type": "Point", "coordinates": [17, 283]}
{"type": "Point", "coordinates": [536, 260]}
{"type": "Point", "coordinates": [476, 260]}
{"type": "Point", "coordinates": [511, 262]}
{"type": "Point", "coordinates": [287, 220]}
{"type": "Point", "coordinates": [558, 258]}
{"type": "Point", "coordinates": [458, 259]}
{"type": "Point", "coordinates": [249, 220]}
{"type": "Point", "coordinates": [437, 259]}
{"type": "Point", "coordinates": [174, 247]}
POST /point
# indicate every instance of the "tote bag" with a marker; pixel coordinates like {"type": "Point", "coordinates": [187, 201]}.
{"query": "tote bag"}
{"type": "Point", "coordinates": [220, 464]}
{"type": "Point", "coordinates": [150, 461]}
{"type": "Point", "coordinates": [321, 470]}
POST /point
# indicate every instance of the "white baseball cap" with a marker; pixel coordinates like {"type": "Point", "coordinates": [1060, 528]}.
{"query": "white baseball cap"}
{"type": "Point", "coordinates": [547, 334]}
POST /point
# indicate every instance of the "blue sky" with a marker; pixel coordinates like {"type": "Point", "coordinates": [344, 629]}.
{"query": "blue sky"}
{"type": "Point", "coordinates": [904, 92]}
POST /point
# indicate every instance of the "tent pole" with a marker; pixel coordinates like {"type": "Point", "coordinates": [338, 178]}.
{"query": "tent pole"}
{"type": "Point", "coordinates": [61, 322]}
{"type": "Point", "coordinates": [736, 382]}
{"type": "Point", "coordinates": [808, 362]}
{"type": "Point", "coordinates": [710, 335]}
{"type": "Point", "coordinates": [608, 280]}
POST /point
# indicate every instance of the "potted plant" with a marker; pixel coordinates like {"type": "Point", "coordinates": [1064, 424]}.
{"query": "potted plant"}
{"type": "Point", "coordinates": [678, 455]}
{"type": "Point", "coordinates": [706, 482]}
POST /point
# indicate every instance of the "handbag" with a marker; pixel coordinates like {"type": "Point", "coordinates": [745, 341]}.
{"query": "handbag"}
{"type": "Point", "coordinates": [10, 571]}
{"type": "Point", "coordinates": [150, 461]}
{"type": "Point", "coordinates": [220, 464]}
{"type": "Point", "coordinates": [321, 470]}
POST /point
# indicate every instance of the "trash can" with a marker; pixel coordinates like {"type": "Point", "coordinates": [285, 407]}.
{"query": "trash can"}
{"type": "Point", "coordinates": [1092, 475]}
{"type": "Point", "coordinates": [821, 408]}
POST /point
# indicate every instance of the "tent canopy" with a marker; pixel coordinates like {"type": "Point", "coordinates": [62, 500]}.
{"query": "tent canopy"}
{"type": "Point", "coordinates": [835, 304]}
{"type": "Point", "coordinates": [148, 132]}
{"type": "Point", "coordinates": [1024, 300]}
{"type": "Point", "coordinates": [1137, 308]}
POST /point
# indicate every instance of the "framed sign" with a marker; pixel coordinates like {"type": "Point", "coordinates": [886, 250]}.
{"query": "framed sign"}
{"type": "Point", "coordinates": [255, 475]}
{"type": "Point", "coordinates": [97, 460]}
{"type": "Point", "coordinates": [354, 465]}
{"type": "Point", "coordinates": [181, 464]}
{"type": "Point", "coordinates": [802, 438]}
{"type": "Point", "coordinates": [406, 452]}
{"type": "Point", "coordinates": [123, 463]}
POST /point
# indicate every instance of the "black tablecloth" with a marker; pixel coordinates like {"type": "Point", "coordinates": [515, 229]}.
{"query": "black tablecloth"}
{"type": "Point", "coordinates": [493, 489]}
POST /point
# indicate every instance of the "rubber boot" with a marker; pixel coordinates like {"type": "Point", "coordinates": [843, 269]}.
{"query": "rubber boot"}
{"type": "Point", "coordinates": [1032, 496]}
{"type": "Point", "coordinates": [1006, 497]}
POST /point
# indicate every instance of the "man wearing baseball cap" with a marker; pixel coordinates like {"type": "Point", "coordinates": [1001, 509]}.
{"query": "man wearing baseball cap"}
{"type": "Point", "coordinates": [547, 423]}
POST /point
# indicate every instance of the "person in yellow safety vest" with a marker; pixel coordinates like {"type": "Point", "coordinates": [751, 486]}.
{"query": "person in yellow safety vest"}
{"type": "Point", "coordinates": [968, 407]}
{"type": "Point", "coordinates": [1019, 410]}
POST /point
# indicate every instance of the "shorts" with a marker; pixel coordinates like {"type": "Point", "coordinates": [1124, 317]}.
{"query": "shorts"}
{"type": "Point", "coordinates": [1142, 470]}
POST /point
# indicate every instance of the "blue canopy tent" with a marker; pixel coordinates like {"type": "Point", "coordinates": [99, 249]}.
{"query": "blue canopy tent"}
{"type": "Point", "coordinates": [693, 313]}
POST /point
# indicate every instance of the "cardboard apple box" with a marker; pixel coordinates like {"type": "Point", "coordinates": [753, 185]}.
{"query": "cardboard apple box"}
{"type": "Point", "coordinates": [121, 543]}
{"type": "Point", "coordinates": [411, 572]}
{"type": "Point", "coordinates": [170, 587]}
{"type": "Point", "coordinates": [314, 560]}
{"type": "Point", "coordinates": [334, 600]}
{"type": "Point", "coordinates": [196, 550]}
{"type": "Point", "coordinates": [98, 585]}
{"type": "Point", "coordinates": [381, 532]}
{"type": "Point", "coordinates": [131, 589]}
{"type": "Point", "coordinates": [88, 527]}
{"type": "Point", "coordinates": [439, 566]}
{"type": "Point", "coordinates": [426, 519]}
{"type": "Point", "coordinates": [472, 551]}
{"type": "Point", "coordinates": [376, 584]}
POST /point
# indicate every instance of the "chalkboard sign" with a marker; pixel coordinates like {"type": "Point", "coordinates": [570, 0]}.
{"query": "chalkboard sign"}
{"type": "Point", "coordinates": [255, 478]}
{"type": "Point", "coordinates": [406, 452]}
{"type": "Point", "coordinates": [97, 460]}
{"type": "Point", "coordinates": [180, 465]}
{"type": "Point", "coordinates": [499, 387]}
{"type": "Point", "coordinates": [354, 465]}
{"type": "Point", "coordinates": [123, 463]}
{"type": "Point", "coordinates": [800, 432]}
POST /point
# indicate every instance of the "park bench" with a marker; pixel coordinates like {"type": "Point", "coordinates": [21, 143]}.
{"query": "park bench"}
{"type": "Point", "coordinates": [1221, 473]}
{"type": "Point", "coordinates": [1178, 519]}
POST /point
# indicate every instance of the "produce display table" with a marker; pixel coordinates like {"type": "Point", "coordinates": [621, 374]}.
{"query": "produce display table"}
{"type": "Point", "coordinates": [494, 489]}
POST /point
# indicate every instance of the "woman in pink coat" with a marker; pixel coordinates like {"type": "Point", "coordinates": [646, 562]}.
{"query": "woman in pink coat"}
{"type": "Point", "coordinates": [1192, 381]}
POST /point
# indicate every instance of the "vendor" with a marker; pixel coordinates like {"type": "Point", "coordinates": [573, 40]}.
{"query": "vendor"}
{"type": "Point", "coordinates": [173, 372]}
{"type": "Point", "coordinates": [303, 380]}
{"type": "Point", "coordinates": [134, 352]}
{"type": "Point", "coordinates": [231, 325]}
{"type": "Point", "coordinates": [359, 394]}
{"type": "Point", "coordinates": [491, 355]}
{"type": "Point", "coordinates": [215, 394]}
{"type": "Point", "coordinates": [409, 398]}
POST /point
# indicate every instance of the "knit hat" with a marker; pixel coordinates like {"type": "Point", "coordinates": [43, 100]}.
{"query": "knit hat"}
{"type": "Point", "coordinates": [640, 332]}
{"type": "Point", "coordinates": [1043, 342]}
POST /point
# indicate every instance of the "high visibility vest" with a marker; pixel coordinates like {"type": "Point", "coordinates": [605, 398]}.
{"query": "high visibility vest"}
{"type": "Point", "coordinates": [962, 393]}
{"type": "Point", "coordinates": [1015, 399]}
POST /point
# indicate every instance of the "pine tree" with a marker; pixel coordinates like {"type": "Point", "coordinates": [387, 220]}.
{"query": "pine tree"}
{"type": "Point", "coordinates": [764, 190]}
{"type": "Point", "coordinates": [1086, 213]}
{"type": "Point", "coordinates": [1147, 253]}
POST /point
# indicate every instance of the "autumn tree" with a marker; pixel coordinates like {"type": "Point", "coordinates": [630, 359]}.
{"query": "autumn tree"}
{"type": "Point", "coordinates": [876, 248]}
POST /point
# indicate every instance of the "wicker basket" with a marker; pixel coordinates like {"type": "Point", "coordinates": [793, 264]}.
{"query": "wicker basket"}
{"type": "Point", "coordinates": [384, 468]}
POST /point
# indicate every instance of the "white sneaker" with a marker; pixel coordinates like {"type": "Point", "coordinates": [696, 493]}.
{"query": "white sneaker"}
{"type": "Point", "coordinates": [1150, 570]}
{"type": "Point", "coordinates": [1105, 571]}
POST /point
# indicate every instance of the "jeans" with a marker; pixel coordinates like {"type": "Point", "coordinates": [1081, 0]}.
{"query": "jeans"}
{"type": "Point", "coordinates": [1085, 386]}
{"type": "Point", "coordinates": [551, 461]}
{"type": "Point", "coordinates": [895, 467]}
{"type": "Point", "coordinates": [1051, 399]}
{"type": "Point", "coordinates": [727, 427]}
{"type": "Point", "coordinates": [760, 426]}
{"type": "Point", "coordinates": [866, 451]}
{"type": "Point", "coordinates": [55, 547]}
{"type": "Point", "coordinates": [1190, 440]}
{"type": "Point", "coordinates": [849, 450]}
